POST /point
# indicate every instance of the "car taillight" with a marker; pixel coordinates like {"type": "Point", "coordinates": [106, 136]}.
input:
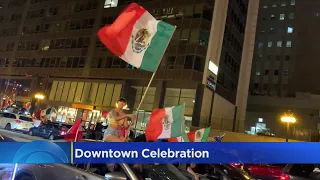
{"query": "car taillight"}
{"type": "Point", "coordinates": [284, 177]}
{"type": "Point", "coordinates": [235, 164]}
{"type": "Point", "coordinates": [18, 121]}
{"type": "Point", "coordinates": [62, 133]}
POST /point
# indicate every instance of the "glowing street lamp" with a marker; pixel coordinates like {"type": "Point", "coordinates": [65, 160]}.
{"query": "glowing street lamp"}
{"type": "Point", "coordinates": [288, 118]}
{"type": "Point", "coordinates": [39, 96]}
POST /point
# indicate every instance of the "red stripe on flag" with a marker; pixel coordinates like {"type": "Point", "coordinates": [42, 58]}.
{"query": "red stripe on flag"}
{"type": "Point", "coordinates": [191, 136]}
{"type": "Point", "coordinates": [154, 127]}
{"type": "Point", "coordinates": [173, 139]}
{"type": "Point", "coordinates": [117, 35]}
{"type": "Point", "coordinates": [72, 133]}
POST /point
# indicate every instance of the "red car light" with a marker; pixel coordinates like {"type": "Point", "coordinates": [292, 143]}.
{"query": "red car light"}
{"type": "Point", "coordinates": [284, 177]}
{"type": "Point", "coordinates": [62, 133]}
{"type": "Point", "coordinates": [18, 121]}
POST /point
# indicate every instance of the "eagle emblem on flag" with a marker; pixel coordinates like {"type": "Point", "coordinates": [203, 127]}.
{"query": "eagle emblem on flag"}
{"type": "Point", "coordinates": [166, 123]}
{"type": "Point", "coordinates": [141, 40]}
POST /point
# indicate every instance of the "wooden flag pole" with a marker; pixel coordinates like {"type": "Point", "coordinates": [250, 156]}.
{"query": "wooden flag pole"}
{"type": "Point", "coordinates": [150, 81]}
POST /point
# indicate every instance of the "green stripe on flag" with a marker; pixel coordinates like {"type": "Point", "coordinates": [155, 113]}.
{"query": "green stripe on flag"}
{"type": "Point", "coordinates": [205, 136]}
{"type": "Point", "coordinates": [157, 47]}
{"type": "Point", "coordinates": [177, 116]}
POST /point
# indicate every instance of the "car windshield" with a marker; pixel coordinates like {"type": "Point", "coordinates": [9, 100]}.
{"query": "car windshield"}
{"type": "Point", "coordinates": [232, 172]}
{"type": "Point", "coordinates": [24, 118]}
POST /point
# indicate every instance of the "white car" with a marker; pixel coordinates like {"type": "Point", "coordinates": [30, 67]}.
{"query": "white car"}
{"type": "Point", "coordinates": [11, 121]}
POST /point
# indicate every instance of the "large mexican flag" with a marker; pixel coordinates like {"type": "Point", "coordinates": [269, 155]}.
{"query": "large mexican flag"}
{"type": "Point", "coordinates": [165, 123]}
{"type": "Point", "coordinates": [137, 37]}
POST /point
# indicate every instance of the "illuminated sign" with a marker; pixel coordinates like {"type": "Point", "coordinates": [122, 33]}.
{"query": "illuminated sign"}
{"type": "Point", "coordinates": [110, 3]}
{"type": "Point", "coordinates": [211, 84]}
{"type": "Point", "coordinates": [213, 68]}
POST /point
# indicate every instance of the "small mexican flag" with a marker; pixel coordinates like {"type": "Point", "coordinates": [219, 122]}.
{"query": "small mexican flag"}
{"type": "Point", "coordinates": [165, 123]}
{"type": "Point", "coordinates": [137, 37]}
{"type": "Point", "coordinates": [200, 135]}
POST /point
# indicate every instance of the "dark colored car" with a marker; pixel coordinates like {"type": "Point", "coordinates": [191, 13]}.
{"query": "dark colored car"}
{"type": "Point", "coordinates": [262, 171]}
{"type": "Point", "coordinates": [301, 172]}
{"type": "Point", "coordinates": [6, 139]}
{"type": "Point", "coordinates": [50, 131]}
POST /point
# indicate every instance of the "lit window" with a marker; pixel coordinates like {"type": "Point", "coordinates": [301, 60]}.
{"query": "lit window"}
{"type": "Point", "coordinates": [260, 120]}
{"type": "Point", "coordinates": [317, 14]}
{"type": "Point", "coordinates": [265, 6]}
{"type": "Point", "coordinates": [260, 44]}
{"type": "Point", "coordinates": [258, 73]}
{"type": "Point", "coordinates": [293, 2]}
{"type": "Point", "coordinates": [110, 3]}
{"type": "Point", "coordinates": [270, 44]}
{"type": "Point", "coordinates": [282, 16]}
{"type": "Point", "coordinates": [272, 16]}
{"type": "Point", "coordinates": [291, 16]}
{"type": "Point", "coordinates": [285, 73]}
{"type": "Point", "coordinates": [279, 43]}
{"type": "Point", "coordinates": [290, 30]}
{"type": "Point", "coordinates": [274, 5]}
{"type": "Point", "coordinates": [289, 44]}
{"type": "Point", "coordinates": [283, 4]}
{"type": "Point", "coordinates": [271, 30]}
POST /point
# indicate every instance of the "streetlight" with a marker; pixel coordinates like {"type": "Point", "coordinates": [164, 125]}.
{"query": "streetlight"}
{"type": "Point", "coordinates": [39, 97]}
{"type": "Point", "coordinates": [288, 118]}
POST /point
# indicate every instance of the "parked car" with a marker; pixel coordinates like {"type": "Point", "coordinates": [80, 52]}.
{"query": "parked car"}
{"type": "Point", "coordinates": [301, 172]}
{"type": "Point", "coordinates": [262, 171]}
{"type": "Point", "coordinates": [50, 131]}
{"type": "Point", "coordinates": [92, 172]}
{"type": "Point", "coordinates": [11, 121]}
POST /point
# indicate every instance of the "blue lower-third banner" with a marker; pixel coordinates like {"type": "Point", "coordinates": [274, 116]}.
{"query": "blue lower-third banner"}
{"type": "Point", "coordinates": [214, 153]}
{"type": "Point", "coordinates": [46, 152]}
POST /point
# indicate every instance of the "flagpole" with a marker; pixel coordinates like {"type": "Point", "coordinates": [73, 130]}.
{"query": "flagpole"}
{"type": "Point", "coordinates": [151, 79]}
{"type": "Point", "coordinates": [76, 137]}
{"type": "Point", "coordinates": [183, 121]}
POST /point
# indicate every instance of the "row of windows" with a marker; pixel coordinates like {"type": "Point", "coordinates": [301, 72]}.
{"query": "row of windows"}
{"type": "Point", "coordinates": [8, 32]}
{"type": "Point", "coordinates": [275, 72]}
{"type": "Point", "coordinates": [226, 82]}
{"type": "Point", "coordinates": [281, 17]}
{"type": "Point", "coordinates": [232, 63]}
{"type": "Point", "coordinates": [235, 19]}
{"type": "Point", "coordinates": [90, 5]}
{"type": "Point", "coordinates": [43, 28]}
{"type": "Point", "coordinates": [232, 40]}
{"type": "Point", "coordinates": [278, 44]}
{"type": "Point", "coordinates": [267, 86]}
{"type": "Point", "coordinates": [16, 17]}
{"type": "Point", "coordinates": [4, 62]}
{"type": "Point", "coordinates": [80, 24]}
{"type": "Point", "coordinates": [37, 1]}
{"type": "Point", "coordinates": [277, 57]}
{"type": "Point", "coordinates": [26, 46]}
{"type": "Point", "coordinates": [57, 62]}
{"type": "Point", "coordinates": [172, 62]}
{"type": "Point", "coordinates": [289, 30]}
{"type": "Point", "coordinates": [81, 42]}
{"type": "Point", "coordinates": [16, 3]}
{"type": "Point", "coordinates": [283, 4]}
{"type": "Point", "coordinates": [35, 13]}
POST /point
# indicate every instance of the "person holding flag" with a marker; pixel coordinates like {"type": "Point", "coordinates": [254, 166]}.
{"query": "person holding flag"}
{"type": "Point", "coordinates": [117, 120]}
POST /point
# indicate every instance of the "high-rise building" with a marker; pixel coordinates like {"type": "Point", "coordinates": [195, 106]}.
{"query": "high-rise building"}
{"type": "Point", "coordinates": [285, 69]}
{"type": "Point", "coordinates": [53, 46]}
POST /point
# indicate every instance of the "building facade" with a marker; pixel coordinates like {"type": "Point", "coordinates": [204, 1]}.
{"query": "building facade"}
{"type": "Point", "coordinates": [285, 63]}
{"type": "Point", "coordinates": [53, 45]}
